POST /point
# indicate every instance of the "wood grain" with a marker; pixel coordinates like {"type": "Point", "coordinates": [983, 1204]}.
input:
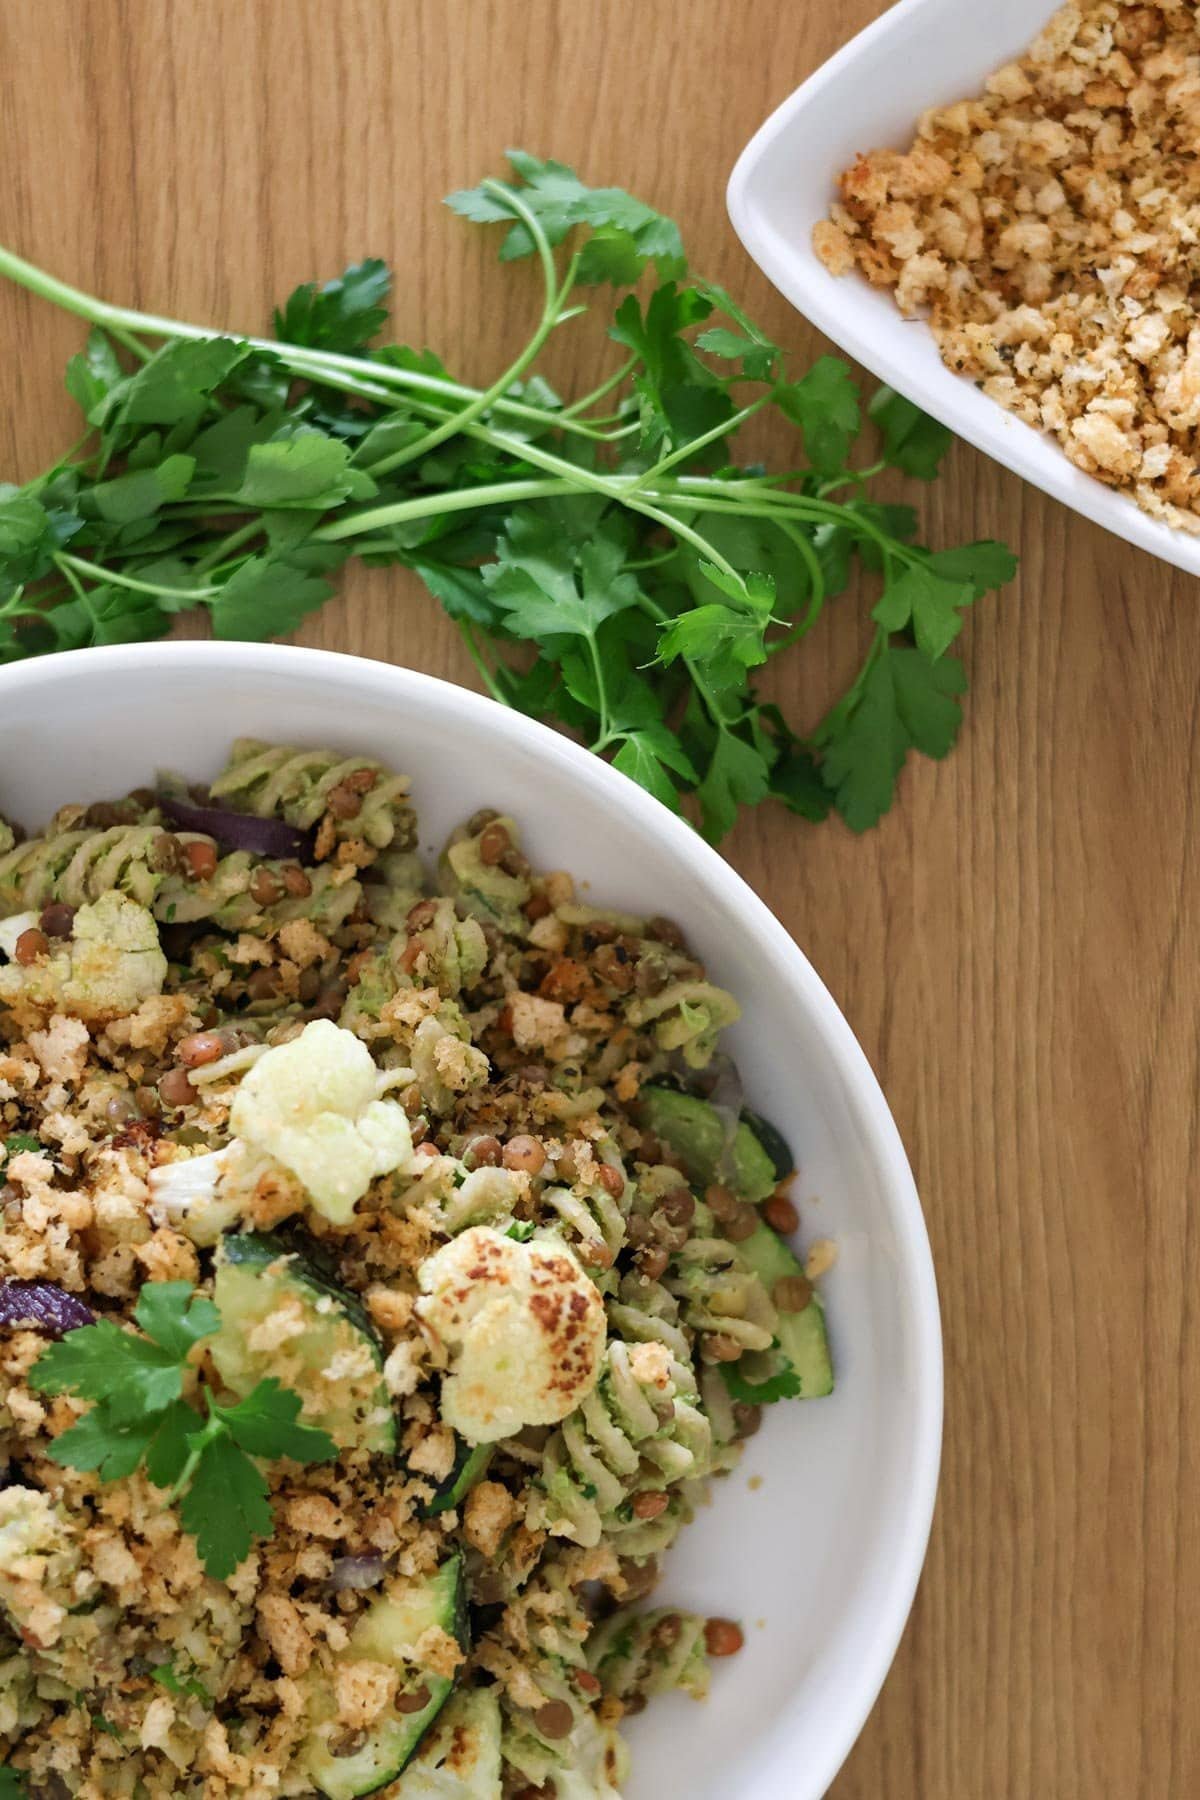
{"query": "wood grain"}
{"type": "Point", "coordinates": [1015, 946]}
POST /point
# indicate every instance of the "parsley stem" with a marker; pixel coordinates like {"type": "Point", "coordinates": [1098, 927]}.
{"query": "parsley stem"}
{"type": "Point", "coordinates": [82, 595]}
{"type": "Point", "coordinates": [621, 488]}
{"type": "Point", "coordinates": [816, 576]}
{"type": "Point", "coordinates": [852, 478]}
{"type": "Point", "coordinates": [552, 305]}
{"type": "Point", "coordinates": [213, 1428]}
{"type": "Point", "coordinates": [425, 506]}
{"type": "Point", "coordinates": [598, 393]}
{"type": "Point", "coordinates": [71, 299]}
{"type": "Point", "coordinates": [779, 506]}
{"type": "Point", "coordinates": [712, 436]}
{"type": "Point", "coordinates": [384, 382]}
{"type": "Point", "coordinates": [234, 541]}
{"type": "Point", "coordinates": [312, 365]}
{"type": "Point", "coordinates": [67, 563]}
{"type": "Point", "coordinates": [601, 689]}
{"type": "Point", "coordinates": [485, 674]}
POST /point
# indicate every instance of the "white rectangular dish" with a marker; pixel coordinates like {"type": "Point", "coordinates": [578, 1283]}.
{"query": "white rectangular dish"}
{"type": "Point", "coordinates": [922, 53]}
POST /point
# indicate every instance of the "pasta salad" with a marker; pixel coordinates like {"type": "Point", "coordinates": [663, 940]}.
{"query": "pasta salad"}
{"type": "Point", "coordinates": [387, 1262]}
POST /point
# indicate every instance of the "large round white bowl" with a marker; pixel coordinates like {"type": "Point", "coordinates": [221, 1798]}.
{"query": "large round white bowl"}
{"type": "Point", "coordinates": [816, 1542]}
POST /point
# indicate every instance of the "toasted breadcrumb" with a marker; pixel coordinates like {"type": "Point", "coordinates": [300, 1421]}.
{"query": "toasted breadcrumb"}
{"type": "Point", "coordinates": [1048, 229]}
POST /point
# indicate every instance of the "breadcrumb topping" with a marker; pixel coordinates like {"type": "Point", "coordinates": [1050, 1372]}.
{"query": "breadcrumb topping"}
{"type": "Point", "coordinates": [1048, 231]}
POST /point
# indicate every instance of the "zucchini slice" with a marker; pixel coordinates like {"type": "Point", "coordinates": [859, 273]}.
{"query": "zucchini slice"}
{"type": "Point", "coordinates": [386, 1633]}
{"type": "Point", "coordinates": [470, 1462]}
{"type": "Point", "coordinates": [772, 1141]}
{"type": "Point", "coordinates": [696, 1132]}
{"type": "Point", "coordinates": [460, 1759]}
{"type": "Point", "coordinates": [803, 1338]}
{"type": "Point", "coordinates": [335, 1363]}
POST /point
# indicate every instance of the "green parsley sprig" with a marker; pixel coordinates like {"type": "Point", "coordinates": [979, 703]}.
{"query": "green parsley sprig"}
{"type": "Point", "coordinates": [17, 1145]}
{"type": "Point", "coordinates": [615, 533]}
{"type": "Point", "coordinates": [140, 1419]}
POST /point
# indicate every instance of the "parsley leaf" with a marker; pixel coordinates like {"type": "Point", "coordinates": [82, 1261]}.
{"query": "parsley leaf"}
{"type": "Point", "coordinates": [725, 639]}
{"type": "Point", "coordinates": [824, 404]}
{"type": "Point", "coordinates": [783, 1385]}
{"type": "Point", "coordinates": [759, 357]}
{"type": "Point", "coordinates": [141, 494]}
{"type": "Point", "coordinates": [933, 606]}
{"type": "Point", "coordinates": [114, 1445]}
{"type": "Point", "coordinates": [226, 1507]}
{"type": "Point", "coordinates": [266, 596]}
{"type": "Point", "coordinates": [131, 1375]}
{"type": "Point", "coordinates": [167, 1450]}
{"type": "Point", "coordinates": [103, 1441]}
{"type": "Point", "coordinates": [17, 1144]}
{"type": "Point", "coordinates": [912, 441]}
{"type": "Point", "coordinates": [175, 386]}
{"type": "Point", "coordinates": [627, 234]}
{"type": "Point", "coordinates": [737, 775]}
{"type": "Point", "coordinates": [905, 702]}
{"type": "Point", "coordinates": [140, 1419]}
{"type": "Point", "coordinates": [343, 315]}
{"type": "Point", "coordinates": [93, 371]}
{"type": "Point", "coordinates": [174, 1317]}
{"type": "Point", "coordinates": [982, 566]}
{"type": "Point", "coordinates": [649, 755]}
{"type": "Point", "coordinates": [264, 1424]}
{"type": "Point", "coordinates": [12, 1784]}
{"type": "Point", "coordinates": [166, 1677]}
{"type": "Point", "coordinates": [543, 585]}
{"type": "Point", "coordinates": [307, 469]}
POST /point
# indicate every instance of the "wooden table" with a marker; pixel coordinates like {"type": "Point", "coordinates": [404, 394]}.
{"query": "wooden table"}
{"type": "Point", "coordinates": [1015, 946]}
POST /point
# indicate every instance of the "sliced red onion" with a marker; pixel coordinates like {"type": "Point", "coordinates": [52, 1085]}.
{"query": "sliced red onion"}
{"type": "Point", "coordinates": [241, 831]}
{"type": "Point", "coordinates": [40, 1306]}
{"type": "Point", "coordinates": [356, 1572]}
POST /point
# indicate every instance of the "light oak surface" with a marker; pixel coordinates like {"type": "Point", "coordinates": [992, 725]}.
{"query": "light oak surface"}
{"type": "Point", "coordinates": [1015, 946]}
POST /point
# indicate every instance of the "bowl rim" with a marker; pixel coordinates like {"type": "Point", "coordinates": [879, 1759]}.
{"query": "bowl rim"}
{"type": "Point", "coordinates": [802, 279]}
{"type": "Point", "coordinates": [336, 671]}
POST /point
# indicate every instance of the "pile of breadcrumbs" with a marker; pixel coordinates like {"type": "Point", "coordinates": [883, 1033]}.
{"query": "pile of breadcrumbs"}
{"type": "Point", "coordinates": [1051, 229]}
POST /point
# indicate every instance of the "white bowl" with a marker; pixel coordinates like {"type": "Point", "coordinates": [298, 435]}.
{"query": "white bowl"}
{"type": "Point", "coordinates": [921, 53]}
{"type": "Point", "coordinates": [822, 1559]}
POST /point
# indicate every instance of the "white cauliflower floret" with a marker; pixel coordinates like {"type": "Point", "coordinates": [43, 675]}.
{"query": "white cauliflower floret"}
{"type": "Point", "coordinates": [195, 1195]}
{"type": "Point", "coordinates": [524, 1328]}
{"type": "Point", "coordinates": [40, 1574]}
{"type": "Point", "coordinates": [313, 1105]}
{"type": "Point", "coordinates": [111, 963]}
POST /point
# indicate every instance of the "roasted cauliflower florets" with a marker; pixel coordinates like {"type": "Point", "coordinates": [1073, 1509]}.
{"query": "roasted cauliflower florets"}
{"type": "Point", "coordinates": [523, 1327]}
{"type": "Point", "coordinates": [109, 965]}
{"type": "Point", "coordinates": [314, 1105]}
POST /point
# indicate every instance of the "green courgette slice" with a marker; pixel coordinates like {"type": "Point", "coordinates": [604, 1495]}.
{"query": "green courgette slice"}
{"type": "Point", "coordinates": [386, 1633]}
{"type": "Point", "coordinates": [335, 1363]}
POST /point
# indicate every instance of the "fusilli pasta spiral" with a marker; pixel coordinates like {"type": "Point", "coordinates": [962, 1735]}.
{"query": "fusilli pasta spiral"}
{"type": "Point", "coordinates": [278, 781]}
{"type": "Point", "coordinates": [640, 1431]}
{"type": "Point", "coordinates": [649, 1653]}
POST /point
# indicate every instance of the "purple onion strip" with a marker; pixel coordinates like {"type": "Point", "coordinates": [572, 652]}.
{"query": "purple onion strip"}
{"type": "Point", "coordinates": [241, 831]}
{"type": "Point", "coordinates": [41, 1306]}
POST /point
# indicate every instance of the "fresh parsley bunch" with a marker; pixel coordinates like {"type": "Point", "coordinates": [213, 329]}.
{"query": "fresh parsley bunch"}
{"type": "Point", "coordinates": [615, 533]}
{"type": "Point", "coordinates": [139, 1419]}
